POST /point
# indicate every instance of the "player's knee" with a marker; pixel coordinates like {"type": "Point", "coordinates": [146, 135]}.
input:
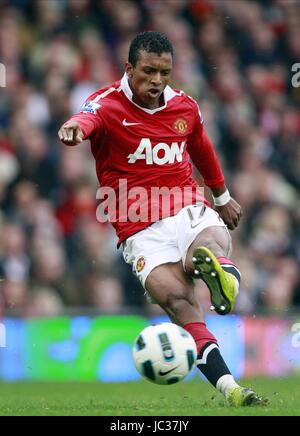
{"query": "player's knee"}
{"type": "Point", "coordinates": [213, 246]}
{"type": "Point", "coordinates": [217, 240]}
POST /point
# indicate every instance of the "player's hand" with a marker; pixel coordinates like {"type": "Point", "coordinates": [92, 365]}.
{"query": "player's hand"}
{"type": "Point", "coordinates": [230, 213]}
{"type": "Point", "coordinates": [70, 133]}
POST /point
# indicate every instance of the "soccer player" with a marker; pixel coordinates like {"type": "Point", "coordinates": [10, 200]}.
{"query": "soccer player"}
{"type": "Point", "coordinates": [144, 132]}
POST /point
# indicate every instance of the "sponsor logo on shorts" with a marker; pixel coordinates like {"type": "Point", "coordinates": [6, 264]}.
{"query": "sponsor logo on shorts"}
{"type": "Point", "coordinates": [140, 264]}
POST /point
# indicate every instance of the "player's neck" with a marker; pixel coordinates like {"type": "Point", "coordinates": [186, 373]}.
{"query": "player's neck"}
{"type": "Point", "coordinates": [147, 105]}
{"type": "Point", "coordinates": [155, 105]}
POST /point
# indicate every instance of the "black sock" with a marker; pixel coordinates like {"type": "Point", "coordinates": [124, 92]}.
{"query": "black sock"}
{"type": "Point", "coordinates": [211, 363]}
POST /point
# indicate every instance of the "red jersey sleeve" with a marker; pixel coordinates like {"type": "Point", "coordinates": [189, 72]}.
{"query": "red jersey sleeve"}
{"type": "Point", "coordinates": [201, 151]}
{"type": "Point", "coordinates": [89, 117]}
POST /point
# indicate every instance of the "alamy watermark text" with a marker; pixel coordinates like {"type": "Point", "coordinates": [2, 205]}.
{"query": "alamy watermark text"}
{"type": "Point", "coordinates": [296, 76]}
{"type": "Point", "coordinates": [296, 336]}
{"type": "Point", "coordinates": [2, 76]}
{"type": "Point", "coordinates": [140, 204]}
{"type": "Point", "coordinates": [2, 336]}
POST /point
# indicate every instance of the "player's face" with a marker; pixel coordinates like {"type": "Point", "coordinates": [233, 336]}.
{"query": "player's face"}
{"type": "Point", "coordinates": [149, 78]}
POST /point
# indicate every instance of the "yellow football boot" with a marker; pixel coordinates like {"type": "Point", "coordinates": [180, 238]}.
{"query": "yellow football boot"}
{"type": "Point", "coordinates": [241, 397]}
{"type": "Point", "coordinates": [222, 285]}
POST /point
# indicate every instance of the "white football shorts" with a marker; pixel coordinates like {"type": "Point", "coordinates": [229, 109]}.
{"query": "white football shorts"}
{"type": "Point", "coordinates": [168, 240]}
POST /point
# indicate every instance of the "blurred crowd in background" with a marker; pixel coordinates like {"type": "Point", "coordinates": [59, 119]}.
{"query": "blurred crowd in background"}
{"type": "Point", "coordinates": [233, 56]}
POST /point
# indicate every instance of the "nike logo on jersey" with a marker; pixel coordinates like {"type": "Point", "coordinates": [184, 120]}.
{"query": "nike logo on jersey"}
{"type": "Point", "coordinates": [162, 373]}
{"type": "Point", "coordinates": [126, 123]}
{"type": "Point", "coordinates": [160, 154]}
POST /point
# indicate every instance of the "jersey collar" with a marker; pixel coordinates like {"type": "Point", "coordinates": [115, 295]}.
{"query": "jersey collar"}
{"type": "Point", "coordinates": [169, 93]}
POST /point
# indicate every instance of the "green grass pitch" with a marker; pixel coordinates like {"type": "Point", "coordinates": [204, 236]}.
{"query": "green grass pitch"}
{"type": "Point", "coordinates": [143, 398]}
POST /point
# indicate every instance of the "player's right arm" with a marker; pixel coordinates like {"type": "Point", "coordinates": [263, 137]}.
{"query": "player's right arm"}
{"type": "Point", "coordinates": [83, 124]}
{"type": "Point", "coordinates": [71, 133]}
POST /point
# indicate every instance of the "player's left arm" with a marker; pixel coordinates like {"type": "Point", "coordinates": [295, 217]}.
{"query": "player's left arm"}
{"type": "Point", "coordinates": [230, 212]}
{"type": "Point", "coordinates": [202, 153]}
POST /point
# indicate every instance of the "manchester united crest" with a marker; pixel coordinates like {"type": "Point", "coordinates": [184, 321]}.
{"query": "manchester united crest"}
{"type": "Point", "coordinates": [140, 264]}
{"type": "Point", "coordinates": [180, 125]}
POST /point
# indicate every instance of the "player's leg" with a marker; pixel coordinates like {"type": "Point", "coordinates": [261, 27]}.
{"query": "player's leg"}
{"type": "Point", "coordinates": [209, 253]}
{"type": "Point", "coordinates": [156, 260]}
{"type": "Point", "coordinates": [173, 290]}
{"type": "Point", "coordinates": [208, 258]}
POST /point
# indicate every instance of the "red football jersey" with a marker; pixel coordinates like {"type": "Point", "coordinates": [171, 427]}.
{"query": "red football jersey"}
{"type": "Point", "coordinates": [138, 150]}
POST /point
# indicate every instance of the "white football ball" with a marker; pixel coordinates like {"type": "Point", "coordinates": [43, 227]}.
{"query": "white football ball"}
{"type": "Point", "coordinates": [164, 353]}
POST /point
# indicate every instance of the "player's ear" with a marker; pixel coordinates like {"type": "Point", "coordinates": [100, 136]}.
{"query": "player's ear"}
{"type": "Point", "coordinates": [129, 69]}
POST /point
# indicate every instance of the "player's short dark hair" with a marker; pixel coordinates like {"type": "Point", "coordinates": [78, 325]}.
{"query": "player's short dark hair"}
{"type": "Point", "coordinates": [151, 42]}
